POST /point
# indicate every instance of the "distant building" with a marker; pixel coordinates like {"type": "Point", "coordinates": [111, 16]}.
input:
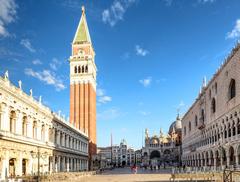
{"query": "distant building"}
{"type": "Point", "coordinates": [138, 157]}
{"type": "Point", "coordinates": [117, 155]}
{"type": "Point", "coordinates": [164, 149]}
{"type": "Point", "coordinates": [104, 157]}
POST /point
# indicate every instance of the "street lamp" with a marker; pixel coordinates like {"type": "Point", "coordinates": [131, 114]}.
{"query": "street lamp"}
{"type": "Point", "coordinates": [38, 156]}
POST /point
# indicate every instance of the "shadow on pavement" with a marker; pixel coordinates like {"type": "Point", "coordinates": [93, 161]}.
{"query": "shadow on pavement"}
{"type": "Point", "coordinates": [127, 171]}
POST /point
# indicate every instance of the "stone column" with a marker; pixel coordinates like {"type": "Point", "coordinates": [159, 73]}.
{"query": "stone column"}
{"type": "Point", "coordinates": [46, 133]}
{"type": "Point", "coordinates": [228, 161]}
{"type": "Point", "coordinates": [63, 164]}
{"type": "Point", "coordinates": [221, 160]}
{"type": "Point", "coordinates": [50, 164]}
{"type": "Point", "coordinates": [68, 164]}
{"type": "Point", "coordinates": [73, 143]}
{"type": "Point", "coordinates": [58, 137]}
{"type": "Point", "coordinates": [63, 139]}
{"type": "Point", "coordinates": [59, 164]}
{"type": "Point", "coordinates": [18, 168]}
{"type": "Point", "coordinates": [30, 165]}
{"type": "Point", "coordinates": [4, 167]}
{"type": "Point", "coordinates": [53, 164]}
{"type": "Point", "coordinates": [39, 130]}
{"type": "Point", "coordinates": [19, 121]}
{"type": "Point", "coordinates": [5, 118]}
{"type": "Point", "coordinates": [80, 164]}
{"type": "Point", "coordinates": [237, 160]}
{"type": "Point", "coordinates": [29, 127]}
{"type": "Point", "coordinates": [215, 163]}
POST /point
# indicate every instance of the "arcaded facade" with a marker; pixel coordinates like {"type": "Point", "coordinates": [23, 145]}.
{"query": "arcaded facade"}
{"type": "Point", "coordinates": [34, 139]}
{"type": "Point", "coordinates": [164, 149]}
{"type": "Point", "coordinates": [211, 126]}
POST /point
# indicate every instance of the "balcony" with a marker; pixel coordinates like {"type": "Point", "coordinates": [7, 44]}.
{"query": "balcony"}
{"type": "Point", "coordinates": [201, 124]}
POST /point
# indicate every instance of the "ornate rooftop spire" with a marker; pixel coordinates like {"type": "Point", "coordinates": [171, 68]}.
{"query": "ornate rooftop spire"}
{"type": "Point", "coordinates": [82, 34]}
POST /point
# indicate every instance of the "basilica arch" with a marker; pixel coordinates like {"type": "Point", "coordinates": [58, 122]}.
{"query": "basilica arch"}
{"type": "Point", "coordinates": [155, 154]}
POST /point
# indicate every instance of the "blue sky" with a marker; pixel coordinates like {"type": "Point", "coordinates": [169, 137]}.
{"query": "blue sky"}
{"type": "Point", "coordinates": [151, 55]}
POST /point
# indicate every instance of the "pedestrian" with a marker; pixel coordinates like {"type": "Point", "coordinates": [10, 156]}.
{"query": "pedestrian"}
{"type": "Point", "coordinates": [135, 169]}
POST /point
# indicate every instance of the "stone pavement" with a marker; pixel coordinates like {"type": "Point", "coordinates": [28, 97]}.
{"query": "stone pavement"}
{"type": "Point", "coordinates": [125, 175]}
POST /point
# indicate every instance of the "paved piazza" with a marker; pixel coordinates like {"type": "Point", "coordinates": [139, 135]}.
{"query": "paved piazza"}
{"type": "Point", "coordinates": [125, 175]}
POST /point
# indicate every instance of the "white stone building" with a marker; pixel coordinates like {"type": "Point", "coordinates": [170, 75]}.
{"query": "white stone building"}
{"type": "Point", "coordinates": [118, 155]}
{"type": "Point", "coordinates": [211, 126]}
{"type": "Point", "coordinates": [34, 139]}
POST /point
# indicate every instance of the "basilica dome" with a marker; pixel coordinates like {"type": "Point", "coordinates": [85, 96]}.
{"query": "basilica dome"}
{"type": "Point", "coordinates": [175, 126]}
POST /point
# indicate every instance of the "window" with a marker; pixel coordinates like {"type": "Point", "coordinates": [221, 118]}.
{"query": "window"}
{"type": "Point", "coordinates": [86, 68]}
{"type": "Point", "coordinates": [75, 69]}
{"type": "Point", "coordinates": [210, 94]}
{"type": "Point", "coordinates": [202, 116]}
{"type": "Point", "coordinates": [216, 88]}
{"type": "Point", "coordinates": [196, 120]}
{"type": "Point", "coordinates": [24, 126]}
{"type": "Point", "coordinates": [189, 126]}
{"type": "Point", "coordinates": [43, 133]}
{"type": "Point", "coordinates": [12, 125]}
{"type": "Point", "coordinates": [213, 105]}
{"type": "Point", "coordinates": [232, 89]}
{"type": "Point", "coordinates": [185, 131]}
{"type": "Point", "coordinates": [35, 130]}
{"type": "Point", "coordinates": [79, 69]}
{"type": "Point", "coordinates": [83, 69]}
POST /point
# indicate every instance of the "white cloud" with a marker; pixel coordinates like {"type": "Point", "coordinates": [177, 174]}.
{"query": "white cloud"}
{"type": "Point", "coordinates": [146, 82]}
{"type": "Point", "coordinates": [235, 33]}
{"type": "Point", "coordinates": [36, 62]}
{"type": "Point", "coordinates": [116, 12]}
{"type": "Point", "coordinates": [47, 77]}
{"type": "Point", "coordinates": [27, 44]}
{"type": "Point", "coordinates": [168, 2]}
{"type": "Point", "coordinates": [206, 1]}
{"type": "Point", "coordinates": [109, 114]}
{"type": "Point", "coordinates": [7, 15]}
{"type": "Point", "coordinates": [55, 64]}
{"type": "Point", "coordinates": [100, 92]}
{"type": "Point", "coordinates": [105, 99]}
{"type": "Point", "coordinates": [144, 113]}
{"type": "Point", "coordinates": [181, 104]}
{"type": "Point", "coordinates": [102, 97]}
{"type": "Point", "coordinates": [140, 51]}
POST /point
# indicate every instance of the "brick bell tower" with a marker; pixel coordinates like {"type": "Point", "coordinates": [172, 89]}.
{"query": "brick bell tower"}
{"type": "Point", "coordinates": [83, 84]}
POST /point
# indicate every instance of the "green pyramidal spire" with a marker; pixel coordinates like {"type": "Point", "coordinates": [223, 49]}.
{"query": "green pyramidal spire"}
{"type": "Point", "coordinates": [82, 33]}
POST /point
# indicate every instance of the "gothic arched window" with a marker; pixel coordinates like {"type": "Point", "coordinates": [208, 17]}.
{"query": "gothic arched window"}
{"type": "Point", "coordinates": [79, 69]}
{"type": "Point", "coordinates": [83, 69]}
{"type": "Point", "coordinates": [213, 105]}
{"type": "Point", "coordinates": [86, 68]}
{"type": "Point", "coordinates": [75, 69]}
{"type": "Point", "coordinates": [196, 120]}
{"type": "Point", "coordinates": [232, 89]}
{"type": "Point", "coordinates": [189, 126]}
{"type": "Point", "coordinates": [202, 116]}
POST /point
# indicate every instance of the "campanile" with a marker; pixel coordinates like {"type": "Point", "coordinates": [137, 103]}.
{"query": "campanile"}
{"type": "Point", "coordinates": [83, 83]}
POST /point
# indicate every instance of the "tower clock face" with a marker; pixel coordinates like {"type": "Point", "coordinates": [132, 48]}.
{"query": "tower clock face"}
{"type": "Point", "coordinates": [81, 52]}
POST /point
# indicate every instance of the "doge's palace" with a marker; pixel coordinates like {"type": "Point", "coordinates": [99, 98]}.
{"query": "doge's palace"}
{"type": "Point", "coordinates": [211, 126]}
{"type": "Point", "coordinates": [35, 140]}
